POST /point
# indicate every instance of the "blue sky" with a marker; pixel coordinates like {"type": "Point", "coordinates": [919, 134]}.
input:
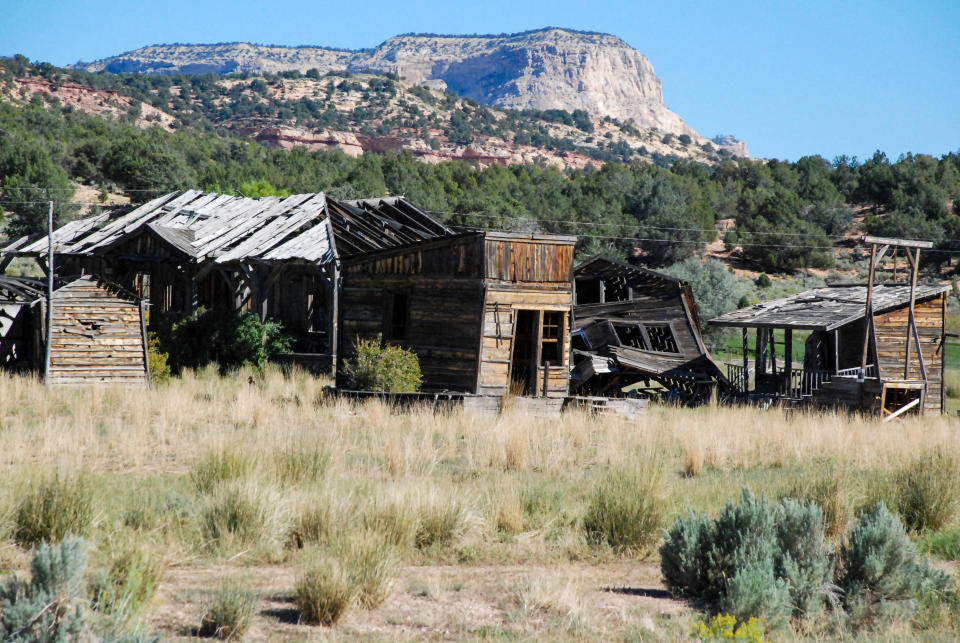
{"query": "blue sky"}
{"type": "Point", "coordinates": [789, 78]}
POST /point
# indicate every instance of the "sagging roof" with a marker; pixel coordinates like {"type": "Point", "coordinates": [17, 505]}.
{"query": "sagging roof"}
{"type": "Point", "coordinates": [224, 228]}
{"type": "Point", "coordinates": [824, 309]}
{"type": "Point", "coordinates": [20, 289]}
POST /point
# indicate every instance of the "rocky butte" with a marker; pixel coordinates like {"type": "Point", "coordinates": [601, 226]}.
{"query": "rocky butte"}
{"type": "Point", "coordinates": [543, 69]}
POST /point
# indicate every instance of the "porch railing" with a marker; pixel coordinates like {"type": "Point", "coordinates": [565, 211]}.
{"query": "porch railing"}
{"type": "Point", "coordinates": [796, 384]}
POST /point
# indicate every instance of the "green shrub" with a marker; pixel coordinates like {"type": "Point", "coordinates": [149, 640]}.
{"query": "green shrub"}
{"type": "Point", "coordinates": [157, 362]}
{"type": "Point", "coordinates": [229, 613]}
{"type": "Point", "coordinates": [379, 367]}
{"type": "Point", "coordinates": [757, 558]}
{"type": "Point", "coordinates": [222, 337]}
{"type": "Point", "coordinates": [53, 605]}
{"type": "Point", "coordinates": [221, 466]}
{"type": "Point", "coordinates": [927, 493]}
{"type": "Point", "coordinates": [625, 512]}
{"type": "Point", "coordinates": [880, 565]}
{"type": "Point", "coordinates": [324, 591]}
{"type": "Point", "coordinates": [52, 509]}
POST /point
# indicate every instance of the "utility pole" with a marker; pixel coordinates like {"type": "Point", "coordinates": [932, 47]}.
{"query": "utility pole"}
{"type": "Point", "coordinates": [46, 366]}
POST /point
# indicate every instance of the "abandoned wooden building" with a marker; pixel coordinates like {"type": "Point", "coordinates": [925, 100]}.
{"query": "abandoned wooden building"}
{"type": "Point", "coordinates": [98, 332]}
{"type": "Point", "coordinates": [638, 329]}
{"type": "Point", "coordinates": [277, 257]}
{"type": "Point", "coordinates": [831, 370]}
{"type": "Point", "coordinates": [486, 312]}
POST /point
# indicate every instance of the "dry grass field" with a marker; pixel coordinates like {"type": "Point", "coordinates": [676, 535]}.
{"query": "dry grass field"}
{"type": "Point", "coordinates": [223, 497]}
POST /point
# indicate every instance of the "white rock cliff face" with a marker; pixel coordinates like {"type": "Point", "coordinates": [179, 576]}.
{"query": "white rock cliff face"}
{"type": "Point", "coordinates": [546, 69]}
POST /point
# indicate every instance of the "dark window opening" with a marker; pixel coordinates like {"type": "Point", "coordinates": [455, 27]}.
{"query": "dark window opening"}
{"type": "Point", "coordinates": [551, 340]}
{"type": "Point", "coordinates": [399, 314]}
{"type": "Point", "coordinates": [616, 289]}
{"type": "Point", "coordinates": [589, 290]}
{"type": "Point", "coordinates": [630, 335]}
{"type": "Point", "coordinates": [662, 339]}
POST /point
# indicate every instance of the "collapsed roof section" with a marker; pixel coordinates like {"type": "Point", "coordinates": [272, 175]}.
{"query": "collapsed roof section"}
{"type": "Point", "coordinates": [634, 326]}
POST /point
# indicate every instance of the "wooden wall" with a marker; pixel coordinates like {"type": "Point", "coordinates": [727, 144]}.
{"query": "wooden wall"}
{"type": "Point", "coordinates": [97, 336]}
{"type": "Point", "coordinates": [443, 285]}
{"type": "Point", "coordinates": [891, 330]}
{"type": "Point", "coordinates": [524, 274]}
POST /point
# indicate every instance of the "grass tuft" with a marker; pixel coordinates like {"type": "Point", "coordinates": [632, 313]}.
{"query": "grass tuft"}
{"type": "Point", "coordinates": [229, 613]}
{"type": "Point", "coordinates": [626, 511]}
{"type": "Point", "coordinates": [324, 591]}
{"type": "Point", "coordinates": [52, 508]}
{"type": "Point", "coordinates": [221, 466]}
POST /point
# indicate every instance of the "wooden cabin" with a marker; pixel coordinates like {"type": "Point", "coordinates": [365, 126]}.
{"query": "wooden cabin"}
{"type": "Point", "coordinates": [831, 371]}
{"type": "Point", "coordinates": [98, 332]}
{"type": "Point", "coordinates": [485, 312]}
{"type": "Point", "coordinates": [633, 328]}
{"type": "Point", "coordinates": [276, 257]}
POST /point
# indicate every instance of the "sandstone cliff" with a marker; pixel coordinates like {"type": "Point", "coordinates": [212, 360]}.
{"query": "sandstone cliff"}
{"type": "Point", "coordinates": [544, 69]}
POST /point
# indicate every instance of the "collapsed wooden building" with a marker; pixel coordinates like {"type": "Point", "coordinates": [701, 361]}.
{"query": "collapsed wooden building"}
{"type": "Point", "coordinates": [276, 257]}
{"type": "Point", "coordinates": [487, 313]}
{"type": "Point", "coordinates": [638, 330]}
{"type": "Point", "coordinates": [872, 347]}
{"type": "Point", "coordinates": [97, 332]}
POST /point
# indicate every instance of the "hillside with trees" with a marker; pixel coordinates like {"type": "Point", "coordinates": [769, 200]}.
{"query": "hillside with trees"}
{"type": "Point", "coordinates": [774, 216]}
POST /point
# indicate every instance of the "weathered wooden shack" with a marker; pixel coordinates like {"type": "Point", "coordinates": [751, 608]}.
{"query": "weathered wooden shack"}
{"type": "Point", "coordinates": [633, 326]}
{"type": "Point", "coordinates": [486, 312]}
{"type": "Point", "coordinates": [833, 321]}
{"type": "Point", "coordinates": [98, 332]}
{"type": "Point", "coordinates": [277, 257]}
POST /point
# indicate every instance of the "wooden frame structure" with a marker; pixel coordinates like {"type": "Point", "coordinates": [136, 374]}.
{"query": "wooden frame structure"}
{"type": "Point", "coordinates": [276, 257]}
{"type": "Point", "coordinates": [486, 312]}
{"type": "Point", "coordinates": [875, 346]}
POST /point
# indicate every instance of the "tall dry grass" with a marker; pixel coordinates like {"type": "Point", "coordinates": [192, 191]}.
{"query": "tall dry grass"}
{"type": "Point", "coordinates": [210, 467]}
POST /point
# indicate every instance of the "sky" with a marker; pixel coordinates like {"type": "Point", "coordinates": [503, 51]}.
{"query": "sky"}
{"type": "Point", "coordinates": [838, 77]}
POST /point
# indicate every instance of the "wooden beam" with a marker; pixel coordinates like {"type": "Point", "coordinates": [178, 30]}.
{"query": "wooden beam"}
{"type": "Point", "coordinates": [868, 313]}
{"type": "Point", "coordinates": [788, 357]}
{"type": "Point", "coordinates": [746, 361]}
{"type": "Point", "coordinates": [890, 241]}
{"type": "Point", "coordinates": [911, 321]}
{"type": "Point", "coordinates": [903, 409]}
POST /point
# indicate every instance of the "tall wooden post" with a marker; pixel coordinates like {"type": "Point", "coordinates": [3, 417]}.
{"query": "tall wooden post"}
{"type": "Point", "coordinates": [788, 357]}
{"type": "Point", "coordinates": [46, 360]}
{"type": "Point", "coordinates": [746, 361]}
{"type": "Point", "coordinates": [868, 313]}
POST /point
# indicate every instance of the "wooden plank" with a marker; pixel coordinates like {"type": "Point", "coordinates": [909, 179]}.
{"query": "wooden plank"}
{"type": "Point", "coordinates": [891, 241]}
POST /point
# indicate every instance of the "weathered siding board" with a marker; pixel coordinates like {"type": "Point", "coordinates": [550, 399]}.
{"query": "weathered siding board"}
{"type": "Point", "coordinates": [528, 260]}
{"type": "Point", "coordinates": [891, 331]}
{"type": "Point", "coordinates": [96, 336]}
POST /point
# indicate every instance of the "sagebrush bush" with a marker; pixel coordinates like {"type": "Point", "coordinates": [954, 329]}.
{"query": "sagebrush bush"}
{"type": "Point", "coordinates": [52, 606]}
{"type": "Point", "coordinates": [324, 590]}
{"type": "Point", "coordinates": [379, 367]}
{"type": "Point", "coordinates": [625, 511]}
{"type": "Point", "coordinates": [879, 566]}
{"type": "Point", "coordinates": [756, 559]}
{"type": "Point", "coordinates": [927, 491]}
{"type": "Point", "coordinates": [52, 508]}
{"type": "Point", "coordinates": [228, 614]}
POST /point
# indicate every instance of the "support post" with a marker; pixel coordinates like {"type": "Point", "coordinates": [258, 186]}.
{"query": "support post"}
{"type": "Point", "coordinates": [46, 360]}
{"type": "Point", "coordinates": [788, 358]}
{"type": "Point", "coordinates": [746, 361]}
{"type": "Point", "coordinates": [760, 355]}
{"type": "Point", "coordinates": [868, 313]}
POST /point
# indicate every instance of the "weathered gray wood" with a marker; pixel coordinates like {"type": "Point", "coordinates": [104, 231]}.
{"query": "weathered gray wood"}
{"type": "Point", "coordinates": [903, 243]}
